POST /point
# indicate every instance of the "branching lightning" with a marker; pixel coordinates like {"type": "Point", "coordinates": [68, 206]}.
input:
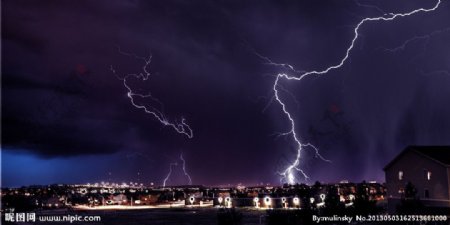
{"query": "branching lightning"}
{"type": "Point", "coordinates": [181, 127]}
{"type": "Point", "coordinates": [170, 173]}
{"type": "Point", "coordinates": [289, 173]}
{"type": "Point", "coordinates": [171, 165]}
{"type": "Point", "coordinates": [184, 169]}
{"type": "Point", "coordinates": [425, 37]}
{"type": "Point", "coordinates": [376, 8]}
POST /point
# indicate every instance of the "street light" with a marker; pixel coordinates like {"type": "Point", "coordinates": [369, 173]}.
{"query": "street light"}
{"type": "Point", "coordinates": [296, 201]}
{"type": "Point", "coordinates": [268, 201]}
{"type": "Point", "coordinates": [351, 197]}
{"type": "Point", "coordinates": [228, 202]}
{"type": "Point", "coordinates": [322, 196]}
{"type": "Point", "coordinates": [256, 201]}
{"type": "Point", "coordinates": [283, 201]}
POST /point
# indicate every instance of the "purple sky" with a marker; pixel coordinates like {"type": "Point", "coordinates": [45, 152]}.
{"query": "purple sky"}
{"type": "Point", "coordinates": [66, 117]}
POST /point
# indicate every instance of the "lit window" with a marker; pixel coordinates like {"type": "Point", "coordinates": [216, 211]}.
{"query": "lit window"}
{"type": "Point", "coordinates": [426, 175]}
{"type": "Point", "coordinates": [400, 175]}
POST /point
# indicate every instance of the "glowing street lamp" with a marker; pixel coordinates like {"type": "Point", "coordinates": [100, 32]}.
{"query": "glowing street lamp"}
{"type": "Point", "coordinates": [283, 201]}
{"type": "Point", "coordinates": [268, 201]}
{"type": "Point", "coordinates": [296, 202]}
{"type": "Point", "coordinates": [83, 191]}
{"type": "Point", "coordinates": [322, 197]}
{"type": "Point", "coordinates": [228, 202]}
{"type": "Point", "coordinates": [256, 201]}
{"type": "Point", "coordinates": [351, 197]}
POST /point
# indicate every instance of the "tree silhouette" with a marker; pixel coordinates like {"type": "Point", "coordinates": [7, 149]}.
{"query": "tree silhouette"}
{"type": "Point", "coordinates": [410, 203]}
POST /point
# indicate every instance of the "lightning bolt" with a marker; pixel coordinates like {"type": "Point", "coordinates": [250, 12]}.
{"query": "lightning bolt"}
{"type": "Point", "coordinates": [170, 173]}
{"type": "Point", "coordinates": [289, 173]}
{"type": "Point", "coordinates": [181, 127]}
{"type": "Point", "coordinates": [425, 37]}
{"type": "Point", "coordinates": [184, 169]}
{"type": "Point", "coordinates": [376, 8]}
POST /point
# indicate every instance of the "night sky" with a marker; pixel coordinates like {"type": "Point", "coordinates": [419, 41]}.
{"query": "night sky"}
{"type": "Point", "coordinates": [66, 117]}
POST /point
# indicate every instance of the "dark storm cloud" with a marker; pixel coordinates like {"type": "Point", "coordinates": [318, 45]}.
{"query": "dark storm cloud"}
{"type": "Point", "coordinates": [60, 99]}
{"type": "Point", "coordinates": [19, 82]}
{"type": "Point", "coordinates": [16, 34]}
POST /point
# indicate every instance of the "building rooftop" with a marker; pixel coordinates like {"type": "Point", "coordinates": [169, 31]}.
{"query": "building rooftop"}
{"type": "Point", "coordinates": [440, 154]}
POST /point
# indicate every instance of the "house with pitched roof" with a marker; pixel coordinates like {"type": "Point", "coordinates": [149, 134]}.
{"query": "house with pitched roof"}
{"type": "Point", "coordinates": [427, 168]}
